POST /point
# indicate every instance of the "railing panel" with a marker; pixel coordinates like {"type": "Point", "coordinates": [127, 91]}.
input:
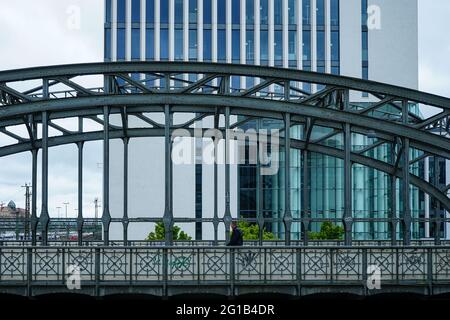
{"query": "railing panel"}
{"type": "Point", "coordinates": [441, 264]}
{"type": "Point", "coordinates": [13, 264]}
{"type": "Point", "coordinates": [386, 260]}
{"type": "Point", "coordinates": [214, 265]}
{"type": "Point", "coordinates": [114, 264]}
{"type": "Point", "coordinates": [249, 264]}
{"type": "Point", "coordinates": [281, 264]}
{"type": "Point", "coordinates": [147, 265]}
{"type": "Point", "coordinates": [182, 264]}
{"type": "Point", "coordinates": [412, 264]}
{"type": "Point", "coordinates": [348, 264]}
{"type": "Point", "coordinates": [316, 264]}
{"type": "Point", "coordinates": [82, 259]}
{"type": "Point", "coordinates": [48, 264]}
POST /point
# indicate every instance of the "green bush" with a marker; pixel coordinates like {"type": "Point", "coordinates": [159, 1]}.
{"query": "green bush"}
{"type": "Point", "coordinates": [328, 231]}
{"type": "Point", "coordinates": [251, 231]}
{"type": "Point", "coordinates": [159, 233]}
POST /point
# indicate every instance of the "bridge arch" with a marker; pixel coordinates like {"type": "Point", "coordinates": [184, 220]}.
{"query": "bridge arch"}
{"type": "Point", "coordinates": [41, 96]}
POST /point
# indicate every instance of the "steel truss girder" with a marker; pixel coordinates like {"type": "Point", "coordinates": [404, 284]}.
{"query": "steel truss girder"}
{"type": "Point", "coordinates": [224, 69]}
{"type": "Point", "coordinates": [428, 142]}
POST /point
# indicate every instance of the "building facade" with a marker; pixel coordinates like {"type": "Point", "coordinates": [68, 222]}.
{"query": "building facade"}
{"type": "Point", "coordinates": [359, 38]}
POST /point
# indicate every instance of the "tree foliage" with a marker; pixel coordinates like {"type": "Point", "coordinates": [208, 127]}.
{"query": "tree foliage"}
{"type": "Point", "coordinates": [159, 233]}
{"type": "Point", "coordinates": [328, 231]}
{"type": "Point", "coordinates": [251, 231]}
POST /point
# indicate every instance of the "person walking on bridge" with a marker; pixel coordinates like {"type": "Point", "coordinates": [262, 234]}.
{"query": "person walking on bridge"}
{"type": "Point", "coordinates": [236, 238]}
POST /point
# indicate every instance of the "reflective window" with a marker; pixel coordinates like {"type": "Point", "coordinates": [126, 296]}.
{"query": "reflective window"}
{"type": "Point", "coordinates": [292, 12]}
{"type": "Point", "coordinates": [192, 11]}
{"type": "Point", "coordinates": [221, 45]}
{"type": "Point", "coordinates": [292, 50]}
{"type": "Point", "coordinates": [278, 46]}
{"type": "Point", "coordinates": [136, 11]}
{"type": "Point", "coordinates": [149, 44]}
{"type": "Point", "coordinates": [236, 12]}
{"type": "Point", "coordinates": [365, 73]}
{"type": "Point", "coordinates": [334, 45]}
{"type": "Point", "coordinates": [221, 11]}
{"type": "Point", "coordinates": [207, 45]}
{"type": "Point", "coordinates": [364, 12]}
{"type": "Point", "coordinates": [306, 85]}
{"type": "Point", "coordinates": [320, 69]}
{"type": "Point", "coordinates": [306, 12]}
{"type": "Point", "coordinates": [120, 44]}
{"type": "Point", "coordinates": [121, 11]}
{"type": "Point", "coordinates": [250, 12]}
{"type": "Point", "coordinates": [207, 11]}
{"type": "Point", "coordinates": [335, 70]}
{"type": "Point", "coordinates": [334, 8]}
{"type": "Point", "coordinates": [192, 44]}
{"type": "Point", "coordinates": [150, 11]}
{"type": "Point", "coordinates": [108, 11]}
{"type": "Point", "coordinates": [179, 11]}
{"type": "Point", "coordinates": [320, 12]}
{"type": "Point", "coordinates": [178, 44]}
{"type": "Point", "coordinates": [264, 11]}
{"type": "Point", "coordinates": [164, 44]}
{"type": "Point", "coordinates": [135, 43]}
{"type": "Point", "coordinates": [365, 46]}
{"type": "Point", "coordinates": [164, 12]}
{"type": "Point", "coordinates": [108, 43]}
{"type": "Point", "coordinates": [236, 83]}
{"type": "Point", "coordinates": [320, 45]}
{"type": "Point", "coordinates": [307, 45]}
{"type": "Point", "coordinates": [278, 12]}
{"type": "Point", "coordinates": [249, 45]}
{"type": "Point", "coordinates": [236, 47]}
{"type": "Point", "coordinates": [264, 45]}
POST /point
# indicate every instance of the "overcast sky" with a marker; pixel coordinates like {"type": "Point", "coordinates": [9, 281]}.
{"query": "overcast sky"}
{"type": "Point", "coordinates": [38, 32]}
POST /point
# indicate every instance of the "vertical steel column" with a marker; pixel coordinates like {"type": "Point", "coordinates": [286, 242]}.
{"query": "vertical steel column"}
{"type": "Point", "coordinates": [348, 214]}
{"type": "Point", "coordinates": [405, 183]}
{"type": "Point", "coordinates": [44, 217]}
{"type": "Point", "coordinates": [393, 200]}
{"type": "Point", "coordinates": [126, 140]}
{"type": "Point", "coordinates": [216, 204]}
{"type": "Point", "coordinates": [287, 219]}
{"type": "Point", "coordinates": [259, 188]}
{"type": "Point", "coordinates": [227, 215]}
{"type": "Point", "coordinates": [437, 207]}
{"type": "Point", "coordinates": [80, 220]}
{"type": "Point", "coordinates": [106, 216]}
{"type": "Point", "coordinates": [34, 155]}
{"type": "Point", "coordinates": [168, 214]}
{"type": "Point", "coordinates": [306, 221]}
{"type": "Point", "coordinates": [348, 209]}
{"type": "Point", "coordinates": [125, 220]}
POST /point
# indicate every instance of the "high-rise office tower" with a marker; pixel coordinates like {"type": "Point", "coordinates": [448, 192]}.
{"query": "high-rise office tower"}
{"type": "Point", "coordinates": [359, 38]}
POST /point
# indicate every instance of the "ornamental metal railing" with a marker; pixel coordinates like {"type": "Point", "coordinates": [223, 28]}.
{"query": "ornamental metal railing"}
{"type": "Point", "coordinates": [221, 266]}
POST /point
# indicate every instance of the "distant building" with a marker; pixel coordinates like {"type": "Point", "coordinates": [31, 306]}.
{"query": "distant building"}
{"type": "Point", "coordinates": [11, 211]}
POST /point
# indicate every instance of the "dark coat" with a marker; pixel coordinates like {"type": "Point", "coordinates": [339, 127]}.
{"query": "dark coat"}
{"type": "Point", "coordinates": [236, 238]}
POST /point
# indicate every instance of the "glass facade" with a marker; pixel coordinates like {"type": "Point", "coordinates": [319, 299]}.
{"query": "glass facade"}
{"type": "Point", "coordinates": [312, 32]}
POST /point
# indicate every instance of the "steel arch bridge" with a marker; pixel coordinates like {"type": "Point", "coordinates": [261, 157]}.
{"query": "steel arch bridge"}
{"type": "Point", "coordinates": [54, 93]}
{"type": "Point", "coordinates": [37, 98]}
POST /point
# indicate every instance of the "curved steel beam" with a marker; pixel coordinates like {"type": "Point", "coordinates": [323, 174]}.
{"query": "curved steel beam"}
{"type": "Point", "coordinates": [427, 142]}
{"type": "Point", "coordinates": [226, 69]}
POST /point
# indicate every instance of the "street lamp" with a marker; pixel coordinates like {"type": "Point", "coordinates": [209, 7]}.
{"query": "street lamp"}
{"type": "Point", "coordinates": [67, 223]}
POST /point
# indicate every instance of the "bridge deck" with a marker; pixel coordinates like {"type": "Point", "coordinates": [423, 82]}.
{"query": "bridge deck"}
{"type": "Point", "coordinates": [166, 271]}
